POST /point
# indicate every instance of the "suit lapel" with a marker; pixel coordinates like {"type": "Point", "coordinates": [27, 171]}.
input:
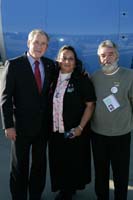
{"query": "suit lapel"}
{"type": "Point", "coordinates": [29, 72]}
{"type": "Point", "coordinates": [46, 73]}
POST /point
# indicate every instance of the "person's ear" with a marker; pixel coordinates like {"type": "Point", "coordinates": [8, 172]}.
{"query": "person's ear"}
{"type": "Point", "coordinates": [28, 43]}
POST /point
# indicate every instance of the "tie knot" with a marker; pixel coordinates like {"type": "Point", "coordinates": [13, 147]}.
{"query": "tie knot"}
{"type": "Point", "coordinates": [37, 63]}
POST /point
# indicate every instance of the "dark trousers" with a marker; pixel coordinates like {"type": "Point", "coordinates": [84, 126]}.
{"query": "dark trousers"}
{"type": "Point", "coordinates": [114, 151]}
{"type": "Point", "coordinates": [28, 167]}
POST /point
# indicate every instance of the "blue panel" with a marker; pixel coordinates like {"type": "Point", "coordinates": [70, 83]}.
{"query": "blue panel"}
{"type": "Point", "coordinates": [22, 16]}
{"type": "Point", "coordinates": [83, 24]}
{"type": "Point", "coordinates": [83, 17]}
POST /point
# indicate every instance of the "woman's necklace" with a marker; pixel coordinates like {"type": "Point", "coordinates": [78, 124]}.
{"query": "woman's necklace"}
{"type": "Point", "coordinates": [60, 84]}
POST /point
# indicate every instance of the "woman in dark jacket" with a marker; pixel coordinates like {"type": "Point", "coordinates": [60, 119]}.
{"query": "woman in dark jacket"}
{"type": "Point", "coordinates": [71, 104]}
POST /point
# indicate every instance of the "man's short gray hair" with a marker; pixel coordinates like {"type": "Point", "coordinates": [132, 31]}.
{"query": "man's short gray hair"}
{"type": "Point", "coordinates": [109, 44]}
{"type": "Point", "coordinates": [37, 31]}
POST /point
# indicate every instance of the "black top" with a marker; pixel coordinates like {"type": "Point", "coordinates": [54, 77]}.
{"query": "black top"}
{"type": "Point", "coordinates": [79, 91]}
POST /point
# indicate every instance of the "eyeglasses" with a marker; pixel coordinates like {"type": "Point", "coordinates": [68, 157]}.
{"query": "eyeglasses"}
{"type": "Point", "coordinates": [70, 59]}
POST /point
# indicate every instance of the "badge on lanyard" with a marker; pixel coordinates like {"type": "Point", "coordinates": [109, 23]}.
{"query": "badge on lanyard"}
{"type": "Point", "coordinates": [111, 103]}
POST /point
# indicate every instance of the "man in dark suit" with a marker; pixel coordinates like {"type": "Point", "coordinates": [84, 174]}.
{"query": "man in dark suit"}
{"type": "Point", "coordinates": [24, 116]}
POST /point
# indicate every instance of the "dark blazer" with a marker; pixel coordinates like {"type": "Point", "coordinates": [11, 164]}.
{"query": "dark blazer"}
{"type": "Point", "coordinates": [79, 91]}
{"type": "Point", "coordinates": [21, 104]}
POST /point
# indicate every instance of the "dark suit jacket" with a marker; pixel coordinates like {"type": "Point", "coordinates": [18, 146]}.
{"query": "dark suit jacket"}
{"type": "Point", "coordinates": [21, 104]}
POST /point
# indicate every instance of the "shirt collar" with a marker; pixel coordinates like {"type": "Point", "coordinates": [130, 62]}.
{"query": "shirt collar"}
{"type": "Point", "coordinates": [31, 59]}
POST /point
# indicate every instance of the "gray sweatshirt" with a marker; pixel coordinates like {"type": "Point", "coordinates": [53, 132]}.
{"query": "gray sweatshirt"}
{"type": "Point", "coordinates": [113, 114]}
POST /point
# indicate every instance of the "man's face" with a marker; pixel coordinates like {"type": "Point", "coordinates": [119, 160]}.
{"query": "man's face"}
{"type": "Point", "coordinates": [37, 46]}
{"type": "Point", "coordinates": [107, 56]}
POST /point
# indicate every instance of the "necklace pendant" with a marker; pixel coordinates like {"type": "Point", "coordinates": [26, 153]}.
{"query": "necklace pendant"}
{"type": "Point", "coordinates": [57, 95]}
